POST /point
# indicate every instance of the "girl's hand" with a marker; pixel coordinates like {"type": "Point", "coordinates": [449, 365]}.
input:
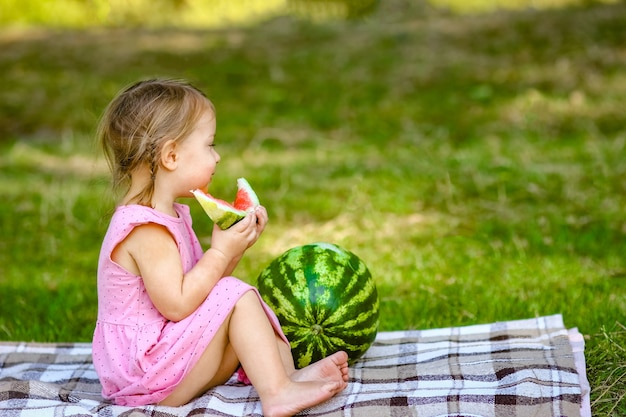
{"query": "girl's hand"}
{"type": "Point", "coordinates": [233, 241]}
{"type": "Point", "coordinates": [261, 221]}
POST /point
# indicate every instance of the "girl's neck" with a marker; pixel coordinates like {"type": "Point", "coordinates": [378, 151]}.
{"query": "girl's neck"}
{"type": "Point", "coordinates": [160, 201]}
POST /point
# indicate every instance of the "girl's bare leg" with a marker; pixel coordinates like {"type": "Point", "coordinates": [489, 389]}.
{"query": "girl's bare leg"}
{"type": "Point", "coordinates": [254, 341]}
{"type": "Point", "coordinates": [248, 336]}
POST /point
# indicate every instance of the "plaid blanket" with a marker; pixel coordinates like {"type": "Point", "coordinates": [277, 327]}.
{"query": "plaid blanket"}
{"type": "Point", "coordinates": [531, 367]}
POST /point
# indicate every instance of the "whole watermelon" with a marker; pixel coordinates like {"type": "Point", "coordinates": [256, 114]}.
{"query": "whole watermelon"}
{"type": "Point", "coordinates": [325, 299]}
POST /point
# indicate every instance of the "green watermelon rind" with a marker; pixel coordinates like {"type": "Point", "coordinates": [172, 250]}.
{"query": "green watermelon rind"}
{"type": "Point", "coordinates": [344, 327]}
{"type": "Point", "coordinates": [220, 212]}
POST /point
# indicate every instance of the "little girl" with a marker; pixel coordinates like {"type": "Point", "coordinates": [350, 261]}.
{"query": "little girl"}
{"type": "Point", "coordinates": [171, 322]}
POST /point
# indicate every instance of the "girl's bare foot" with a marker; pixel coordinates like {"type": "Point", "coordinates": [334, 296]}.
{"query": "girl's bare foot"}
{"type": "Point", "coordinates": [298, 396]}
{"type": "Point", "coordinates": [331, 368]}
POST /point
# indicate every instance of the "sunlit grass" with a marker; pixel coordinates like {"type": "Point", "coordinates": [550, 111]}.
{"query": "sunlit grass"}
{"type": "Point", "coordinates": [228, 13]}
{"type": "Point", "coordinates": [199, 13]}
{"type": "Point", "coordinates": [475, 163]}
{"type": "Point", "coordinates": [482, 6]}
{"type": "Point", "coordinates": [159, 13]}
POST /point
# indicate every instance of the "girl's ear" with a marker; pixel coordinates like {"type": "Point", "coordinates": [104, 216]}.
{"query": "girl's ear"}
{"type": "Point", "coordinates": [169, 155]}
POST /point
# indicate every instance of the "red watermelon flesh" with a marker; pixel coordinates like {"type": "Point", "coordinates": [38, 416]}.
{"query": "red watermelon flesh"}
{"type": "Point", "coordinates": [246, 197]}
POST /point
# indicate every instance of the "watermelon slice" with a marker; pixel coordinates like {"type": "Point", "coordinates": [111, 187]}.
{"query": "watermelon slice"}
{"type": "Point", "coordinates": [223, 213]}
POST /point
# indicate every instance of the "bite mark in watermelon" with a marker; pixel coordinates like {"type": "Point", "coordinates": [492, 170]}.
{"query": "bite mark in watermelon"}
{"type": "Point", "coordinates": [223, 213]}
{"type": "Point", "coordinates": [325, 299]}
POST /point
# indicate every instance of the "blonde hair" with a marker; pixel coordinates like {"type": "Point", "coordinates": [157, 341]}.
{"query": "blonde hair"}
{"type": "Point", "coordinates": [139, 120]}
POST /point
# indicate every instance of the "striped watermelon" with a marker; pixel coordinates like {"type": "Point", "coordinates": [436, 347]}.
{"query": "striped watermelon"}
{"type": "Point", "coordinates": [325, 299]}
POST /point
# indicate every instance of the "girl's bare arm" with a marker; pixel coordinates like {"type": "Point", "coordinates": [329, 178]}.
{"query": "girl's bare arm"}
{"type": "Point", "coordinates": [151, 252]}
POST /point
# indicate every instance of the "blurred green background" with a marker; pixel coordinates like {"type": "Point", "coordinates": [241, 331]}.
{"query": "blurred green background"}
{"type": "Point", "coordinates": [471, 152]}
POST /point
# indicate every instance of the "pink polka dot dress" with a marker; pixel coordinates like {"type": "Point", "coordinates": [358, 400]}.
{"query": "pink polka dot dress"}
{"type": "Point", "coordinates": [139, 355]}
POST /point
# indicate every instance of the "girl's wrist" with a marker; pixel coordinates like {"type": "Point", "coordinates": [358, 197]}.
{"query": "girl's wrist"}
{"type": "Point", "coordinates": [219, 253]}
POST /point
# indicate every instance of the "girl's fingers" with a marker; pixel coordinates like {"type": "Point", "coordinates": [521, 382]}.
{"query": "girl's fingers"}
{"type": "Point", "coordinates": [261, 216]}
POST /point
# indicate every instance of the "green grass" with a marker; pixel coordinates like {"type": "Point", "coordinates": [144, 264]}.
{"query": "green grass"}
{"type": "Point", "coordinates": [476, 163]}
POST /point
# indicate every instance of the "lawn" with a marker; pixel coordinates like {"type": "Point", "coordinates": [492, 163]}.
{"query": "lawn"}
{"type": "Point", "coordinates": [476, 163]}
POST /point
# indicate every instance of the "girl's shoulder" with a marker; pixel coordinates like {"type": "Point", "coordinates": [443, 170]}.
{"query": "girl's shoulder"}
{"type": "Point", "coordinates": [138, 214]}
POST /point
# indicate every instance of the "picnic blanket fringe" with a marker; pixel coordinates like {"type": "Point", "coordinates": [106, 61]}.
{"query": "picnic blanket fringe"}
{"type": "Point", "coordinates": [517, 368]}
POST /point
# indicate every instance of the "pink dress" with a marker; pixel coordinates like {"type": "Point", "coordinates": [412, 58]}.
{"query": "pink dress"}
{"type": "Point", "coordinates": [139, 355]}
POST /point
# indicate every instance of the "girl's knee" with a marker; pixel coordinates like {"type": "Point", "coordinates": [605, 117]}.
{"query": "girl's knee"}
{"type": "Point", "coordinates": [249, 299]}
